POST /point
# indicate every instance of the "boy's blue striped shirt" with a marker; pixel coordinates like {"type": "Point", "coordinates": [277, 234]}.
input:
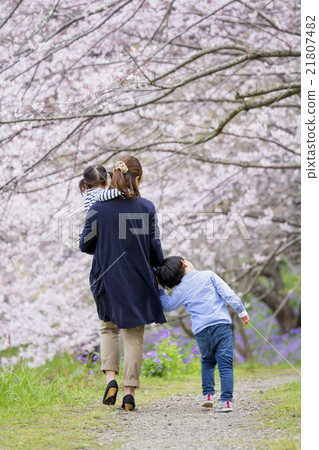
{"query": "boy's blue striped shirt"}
{"type": "Point", "coordinates": [203, 293]}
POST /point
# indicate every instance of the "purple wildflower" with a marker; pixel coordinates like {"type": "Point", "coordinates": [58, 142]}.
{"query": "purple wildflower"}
{"type": "Point", "coordinates": [164, 334]}
{"type": "Point", "coordinates": [195, 350]}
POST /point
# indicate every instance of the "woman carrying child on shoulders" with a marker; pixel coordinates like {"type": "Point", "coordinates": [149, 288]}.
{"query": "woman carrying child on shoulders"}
{"type": "Point", "coordinates": [123, 236]}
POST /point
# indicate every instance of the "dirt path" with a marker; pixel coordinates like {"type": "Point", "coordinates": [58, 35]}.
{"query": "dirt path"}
{"type": "Point", "coordinates": [179, 422]}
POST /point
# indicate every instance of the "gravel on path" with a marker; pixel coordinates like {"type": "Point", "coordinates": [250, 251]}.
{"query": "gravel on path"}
{"type": "Point", "coordinates": [179, 422]}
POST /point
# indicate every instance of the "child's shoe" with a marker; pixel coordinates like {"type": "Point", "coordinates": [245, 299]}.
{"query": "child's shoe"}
{"type": "Point", "coordinates": [225, 406]}
{"type": "Point", "coordinates": [208, 401]}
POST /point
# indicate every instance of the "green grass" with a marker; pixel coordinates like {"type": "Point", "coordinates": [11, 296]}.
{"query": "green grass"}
{"type": "Point", "coordinates": [282, 411]}
{"type": "Point", "coordinates": [253, 370]}
{"type": "Point", "coordinates": [60, 406]}
{"type": "Point", "coordinates": [39, 409]}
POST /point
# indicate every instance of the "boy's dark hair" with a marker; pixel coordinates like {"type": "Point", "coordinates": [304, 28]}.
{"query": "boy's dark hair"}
{"type": "Point", "coordinates": [93, 176]}
{"type": "Point", "coordinates": [171, 271]}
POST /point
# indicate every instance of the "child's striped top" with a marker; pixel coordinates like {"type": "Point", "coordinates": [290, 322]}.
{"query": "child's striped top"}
{"type": "Point", "coordinates": [99, 195]}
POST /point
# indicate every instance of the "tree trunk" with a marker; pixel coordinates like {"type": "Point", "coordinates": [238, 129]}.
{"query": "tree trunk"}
{"type": "Point", "coordinates": [286, 317]}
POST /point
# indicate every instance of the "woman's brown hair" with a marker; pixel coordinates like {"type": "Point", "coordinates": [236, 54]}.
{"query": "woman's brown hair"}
{"type": "Point", "coordinates": [126, 182]}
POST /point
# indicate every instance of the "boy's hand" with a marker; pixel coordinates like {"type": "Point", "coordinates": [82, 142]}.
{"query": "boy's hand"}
{"type": "Point", "coordinates": [246, 319]}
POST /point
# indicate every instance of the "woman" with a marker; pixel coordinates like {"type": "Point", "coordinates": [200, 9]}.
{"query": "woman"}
{"type": "Point", "coordinates": [123, 236]}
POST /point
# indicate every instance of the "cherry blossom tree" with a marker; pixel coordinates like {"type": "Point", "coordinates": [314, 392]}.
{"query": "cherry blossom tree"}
{"type": "Point", "coordinates": [206, 94]}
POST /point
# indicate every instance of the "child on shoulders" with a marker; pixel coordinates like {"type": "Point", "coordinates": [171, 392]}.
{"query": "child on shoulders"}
{"type": "Point", "coordinates": [94, 182]}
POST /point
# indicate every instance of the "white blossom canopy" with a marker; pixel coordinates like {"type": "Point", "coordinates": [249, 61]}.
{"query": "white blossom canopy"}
{"type": "Point", "coordinates": [206, 94]}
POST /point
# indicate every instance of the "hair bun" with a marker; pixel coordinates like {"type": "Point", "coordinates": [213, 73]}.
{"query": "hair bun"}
{"type": "Point", "coordinates": [120, 165]}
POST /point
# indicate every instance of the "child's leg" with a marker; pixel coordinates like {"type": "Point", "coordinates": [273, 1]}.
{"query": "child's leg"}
{"type": "Point", "coordinates": [208, 361]}
{"type": "Point", "coordinates": [224, 356]}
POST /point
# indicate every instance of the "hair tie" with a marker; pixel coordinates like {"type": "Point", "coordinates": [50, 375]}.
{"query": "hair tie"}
{"type": "Point", "coordinates": [120, 165]}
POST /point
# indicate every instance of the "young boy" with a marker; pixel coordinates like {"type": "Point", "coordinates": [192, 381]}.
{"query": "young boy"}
{"type": "Point", "coordinates": [204, 294]}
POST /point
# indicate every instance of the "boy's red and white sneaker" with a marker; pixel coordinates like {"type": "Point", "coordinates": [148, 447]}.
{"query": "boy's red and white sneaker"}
{"type": "Point", "coordinates": [225, 406]}
{"type": "Point", "coordinates": [208, 400]}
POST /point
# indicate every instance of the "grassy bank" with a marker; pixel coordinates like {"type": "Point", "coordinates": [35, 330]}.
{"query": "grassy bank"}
{"type": "Point", "coordinates": [282, 412]}
{"type": "Point", "coordinates": [60, 406]}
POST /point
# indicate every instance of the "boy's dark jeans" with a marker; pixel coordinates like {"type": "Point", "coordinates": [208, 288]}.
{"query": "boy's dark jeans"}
{"type": "Point", "coordinates": [216, 346]}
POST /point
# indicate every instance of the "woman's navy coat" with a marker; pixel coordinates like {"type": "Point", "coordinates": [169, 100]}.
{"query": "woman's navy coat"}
{"type": "Point", "coordinates": [123, 236]}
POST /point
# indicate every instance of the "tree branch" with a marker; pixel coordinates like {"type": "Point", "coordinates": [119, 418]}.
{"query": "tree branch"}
{"type": "Point", "coordinates": [284, 86]}
{"type": "Point", "coordinates": [11, 14]}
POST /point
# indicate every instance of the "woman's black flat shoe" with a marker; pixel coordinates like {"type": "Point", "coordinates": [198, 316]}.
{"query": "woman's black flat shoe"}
{"type": "Point", "coordinates": [110, 394]}
{"type": "Point", "coordinates": [128, 402]}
